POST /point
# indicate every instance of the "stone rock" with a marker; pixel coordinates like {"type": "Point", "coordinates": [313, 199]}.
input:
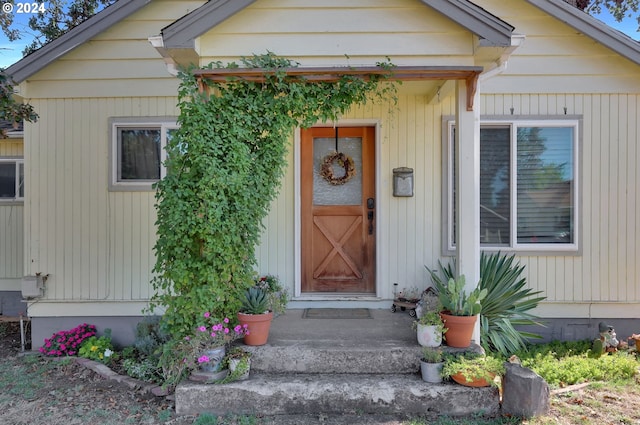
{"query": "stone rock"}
{"type": "Point", "coordinates": [525, 393]}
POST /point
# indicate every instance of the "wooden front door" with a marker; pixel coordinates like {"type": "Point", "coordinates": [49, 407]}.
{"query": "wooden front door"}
{"type": "Point", "coordinates": [338, 220]}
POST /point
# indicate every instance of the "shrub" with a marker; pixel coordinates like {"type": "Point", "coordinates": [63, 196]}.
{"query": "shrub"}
{"type": "Point", "coordinates": [150, 335]}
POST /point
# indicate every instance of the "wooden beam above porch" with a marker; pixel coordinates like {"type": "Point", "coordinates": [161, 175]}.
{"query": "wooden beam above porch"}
{"type": "Point", "coordinates": [469, 74]}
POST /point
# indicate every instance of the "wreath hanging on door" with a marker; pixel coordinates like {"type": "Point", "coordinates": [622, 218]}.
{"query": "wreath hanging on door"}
{"type": "Point", "coordinates": [342, 160]}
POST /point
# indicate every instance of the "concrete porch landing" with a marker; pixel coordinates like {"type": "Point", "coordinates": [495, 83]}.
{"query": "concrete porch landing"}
{"type": "Point", "coordinates": [333, 366]}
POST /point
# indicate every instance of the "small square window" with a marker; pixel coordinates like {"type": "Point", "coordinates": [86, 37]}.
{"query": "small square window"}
{"type": "Point", "coordinates": [137, 152]}
{"type": "Point", "coordinates": [11, 179]}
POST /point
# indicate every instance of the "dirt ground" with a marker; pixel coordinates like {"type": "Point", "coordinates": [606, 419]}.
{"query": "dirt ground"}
{"type": "Point", "coordinates": [37, 391]}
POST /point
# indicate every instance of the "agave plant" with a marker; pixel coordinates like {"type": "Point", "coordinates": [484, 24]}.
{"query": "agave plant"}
{"type": "Point", "coordinates": [506, 305]}
{"type": "Point", "coordinates": [255, 301]}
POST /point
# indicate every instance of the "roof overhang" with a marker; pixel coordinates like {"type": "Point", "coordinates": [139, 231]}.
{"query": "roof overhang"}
{"type": "Point", "coordinates": [469, 74]}
{"type": "Point", "coordinates": [491, 30]}
{"type": "Point", "coordinates": [182, 33]}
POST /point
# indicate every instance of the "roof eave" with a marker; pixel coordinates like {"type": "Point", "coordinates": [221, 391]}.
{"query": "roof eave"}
{"type": "Point", "coordinates": [93, 26]}
{"type": "Point", "coordinates": [491, 30]}
{"type": "Point", "coordinates": [591, 27]}
{"type": "Point", "coordinates": [182, 33]}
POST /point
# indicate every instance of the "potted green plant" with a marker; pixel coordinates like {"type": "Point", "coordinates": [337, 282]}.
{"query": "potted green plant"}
{"type": "Point", "coordinates": [276, 293]}
{"type": "Point", "coordinates": [429, 329]}
{"type": "Point", "coordinates": [238, 362]}
{"type": "Point", "coordinates": [460, 309]}
{"type": "Point", "coordinates": [431, 364]}
{"type": "Point", "coordinates": [255, 314]}
{"type": "Point", "coordinates": [473, 369]}
{"type": "Point", "coordinates": [200, 355]}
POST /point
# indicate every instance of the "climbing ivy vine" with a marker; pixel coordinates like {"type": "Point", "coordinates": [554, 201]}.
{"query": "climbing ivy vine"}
{"type": "Point", "coordinates": [224, 167]}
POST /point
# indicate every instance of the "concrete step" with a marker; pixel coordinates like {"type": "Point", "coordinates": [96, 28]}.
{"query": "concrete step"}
{"type": "Point", "coordinates": [329, 357]}
{"type": "Point", "coordinates": [305, 358]}
{"type": "Point", "coordinates": [288, 394]}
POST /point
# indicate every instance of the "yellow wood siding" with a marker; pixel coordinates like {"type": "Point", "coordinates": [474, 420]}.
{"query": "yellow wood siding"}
{"type": "Point", "coordinates": [11, 223]}
{"type": "Point", "coordinates": [116, 60]}
{"type": "Point", "coordinates": [11, 241]}
{"type": "Point", "coordinates": [11, 147]}
{"type": "Point", "coordinates": [95, 244]}
{"type": "Point", "coordinates": [555, 58]}
{"type": "Point", "coordinates": [607, 268]}
{"type": "Point", "coordinates": [349, 33]}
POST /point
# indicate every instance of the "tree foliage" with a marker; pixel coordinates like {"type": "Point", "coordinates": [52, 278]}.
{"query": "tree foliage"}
{"type": "Point", "coordinates": [58, 17]}
{"type": "Point", "coordinates": [12, 110]}
{"type": "Point", "coordinates": [224, 168]}
{"type": "Point", "coordinates": [619, 9]}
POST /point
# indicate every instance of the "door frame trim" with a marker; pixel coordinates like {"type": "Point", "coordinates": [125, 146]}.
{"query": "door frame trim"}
{"type": "Point", "coordinates": [372, 122]}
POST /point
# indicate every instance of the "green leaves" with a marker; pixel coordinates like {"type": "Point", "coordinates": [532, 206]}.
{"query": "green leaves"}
{"type": "Point", "coordinates": [10, 109]}
{"type": "Point", "coordinates": [505, 299]}
{"type": "Point", "coordinates": [508, 303]}
{"type": "Point", "coordinates": [225, 165]}
{"type": "Point", "coordinates": [453, 296]}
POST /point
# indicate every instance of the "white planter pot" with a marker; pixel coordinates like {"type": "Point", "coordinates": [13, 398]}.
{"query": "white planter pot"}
{"type": "Point", "coordinates": [213, 359]}
{"type": "Point", "coordinates": [429, 336]}
{"type": "Point", "coordinates": [431, 372]}
{"type": "Point", "coordinates": [235, 363]}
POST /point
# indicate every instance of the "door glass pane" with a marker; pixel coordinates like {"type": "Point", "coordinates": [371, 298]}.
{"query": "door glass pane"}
{"type": "Point", "coordinates": [545, 185]}
{"type": "Point", "coordinates": [325, 193]}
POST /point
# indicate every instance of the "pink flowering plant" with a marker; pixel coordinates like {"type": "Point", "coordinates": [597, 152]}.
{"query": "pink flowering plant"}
{"type": "Point", "coordinates": [181, 356]}
{"type": "Point", "coordinates": [68, 342]}
{"type": "Point", "coordinates": [213, 333]}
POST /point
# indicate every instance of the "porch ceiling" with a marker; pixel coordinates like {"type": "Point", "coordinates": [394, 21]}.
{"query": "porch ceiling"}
{"type": "Point", "coordinates": [469, 74]}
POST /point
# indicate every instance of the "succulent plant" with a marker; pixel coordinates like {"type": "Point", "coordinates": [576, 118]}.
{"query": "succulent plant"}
{"type": "Point", "coordinates": [255, 301]}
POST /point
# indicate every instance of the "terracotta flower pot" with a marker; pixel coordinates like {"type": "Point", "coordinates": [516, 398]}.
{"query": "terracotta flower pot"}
{"type": "Point", "coordinates": [258, 326]}
{"type": "Point", "coordinates": [459, 329]}
{"type": "Point", "coordinates": [474, 382]}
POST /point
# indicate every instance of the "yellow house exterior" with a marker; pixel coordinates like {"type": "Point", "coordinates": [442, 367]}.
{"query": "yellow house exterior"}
{"type": "Point", "coordinates": [541, 64]}
{"type": "Point", "coordinates": [11, 225]}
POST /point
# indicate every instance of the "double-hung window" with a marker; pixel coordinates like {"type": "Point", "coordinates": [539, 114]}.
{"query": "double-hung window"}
{"type": "Point", "coordinates": [528, 185]}
{"type": "Point", "coordinates": [137, 152]}
{"type": "Point", "coordinates": [11, 179]}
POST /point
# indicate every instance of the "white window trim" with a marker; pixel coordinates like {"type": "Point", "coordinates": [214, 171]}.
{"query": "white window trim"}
{"type": "Point", "coordinates": [513, 122]}
{"type": "Point", "coordinates": [18, 161]}
{"type": "Point", "coordinates": [164, 123]}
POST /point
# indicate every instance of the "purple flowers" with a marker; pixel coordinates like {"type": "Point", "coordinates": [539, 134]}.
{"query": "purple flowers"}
{"type": "Point", "coordinates": [67, 343]}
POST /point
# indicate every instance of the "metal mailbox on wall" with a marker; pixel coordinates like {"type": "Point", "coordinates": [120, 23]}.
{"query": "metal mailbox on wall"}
{"type": "Point", "coordinates": [403, 181]}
